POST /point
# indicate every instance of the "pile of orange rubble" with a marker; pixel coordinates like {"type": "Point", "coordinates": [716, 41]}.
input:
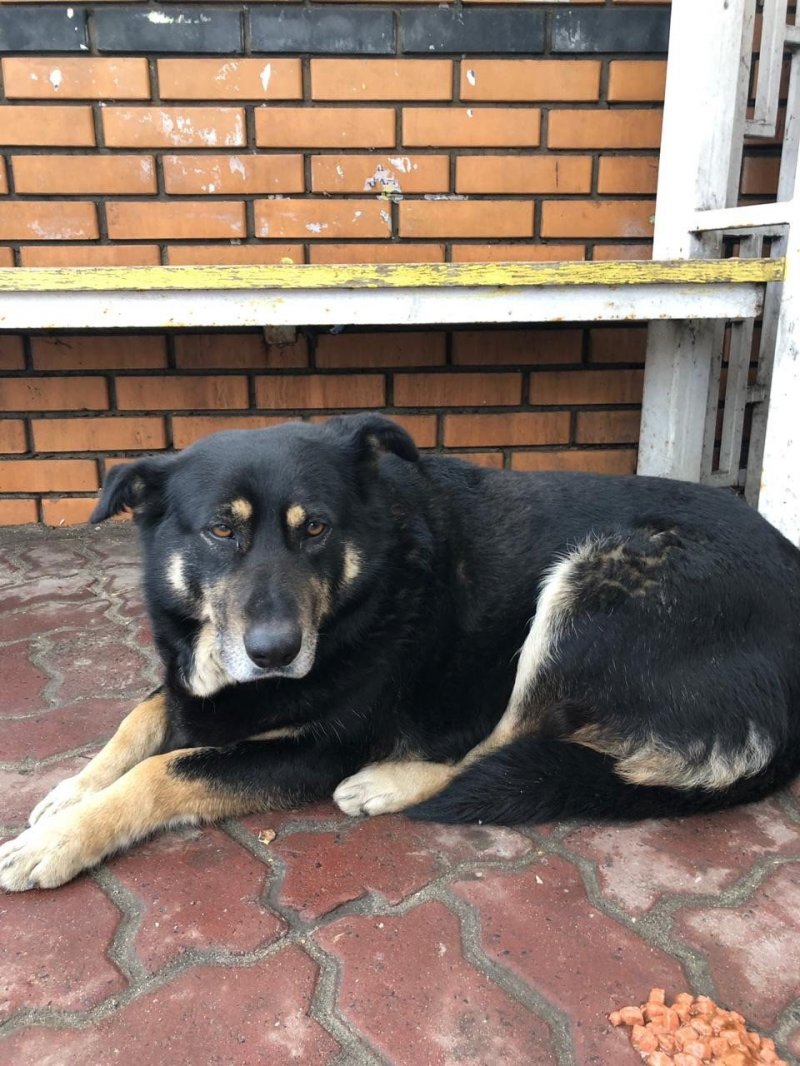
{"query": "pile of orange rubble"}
{"type": "Point", "coordinates": [693, 1032]}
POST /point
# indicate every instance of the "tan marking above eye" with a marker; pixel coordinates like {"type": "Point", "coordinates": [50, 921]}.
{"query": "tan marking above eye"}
{"type": "Point", "coordinates": [241, 508]}
{"type": "Point", "coordinates": [295, 516]}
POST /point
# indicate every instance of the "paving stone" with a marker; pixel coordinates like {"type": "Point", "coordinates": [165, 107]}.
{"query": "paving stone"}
{"type": "Point", "coordinates": [53, 558]}
{"type": "Point", "coordinates": [407, 987]}
{"type": "Point", "coordinates": [23, 683]}
{"type": "Point", "coordinates": [753, 950]}
{"type": "Point", "coordinates": [71, 588]}
{"type": "Point", "coordinates": [239, 1016]}
{"type": "Point", "coordinates": [639, 864]}
{"type": "Point", "coordinates": [42, 618]}
{"type": "Point", "coordinates": [66, 727]}
{"type": "Point", "coordinates": [115, 542]}
{"type": "Point", "coordinates": [52, 950]}
{"type": "Point", "coordinates": [199, 889]}
{"type": "Point", "coordinates": [101, 665]}
{"type": "Point", "coordinates": [575, 955]}
{"type": "Point", "coordinates": [388, 855]}
{"type": "Point", "coordinates": [21, 790]}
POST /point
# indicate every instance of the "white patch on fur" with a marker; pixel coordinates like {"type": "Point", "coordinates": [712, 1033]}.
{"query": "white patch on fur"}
{"type": "Point", "coordinates": [352, 564]}
{"type": "Point", "coordinates": [655, 764]}
{"type": "Point", "coordinates": [176, 575]}
{"type": "Point", "coordinates": [208, 673]}
{"type": "Point", "coordinates": [383, 788]}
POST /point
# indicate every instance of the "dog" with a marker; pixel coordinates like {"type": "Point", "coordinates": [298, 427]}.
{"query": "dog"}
{"type": "Point", "coordinates": [338, 615]}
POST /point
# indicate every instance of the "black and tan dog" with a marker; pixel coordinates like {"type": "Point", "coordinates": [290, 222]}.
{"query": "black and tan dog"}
{"type": "Point", "coordinates": [337, 615]}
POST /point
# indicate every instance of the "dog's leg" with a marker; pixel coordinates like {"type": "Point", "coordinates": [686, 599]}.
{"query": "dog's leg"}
{"type": "Point", "coordinates": [139, 735]}
{"type": "Point", "coordinates": [181, 787]}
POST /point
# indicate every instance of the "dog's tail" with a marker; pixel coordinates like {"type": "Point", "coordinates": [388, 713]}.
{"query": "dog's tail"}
{"type": "Point", "coordinates": [535, 780]}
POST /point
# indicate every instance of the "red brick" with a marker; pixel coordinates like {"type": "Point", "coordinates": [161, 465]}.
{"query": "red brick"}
{"type": "Point", "coordinates": [48, 475]}
{"type": "Point", "coordinates": [53, 125]}
{"type": "Point", "coordinates": [608, 427]}
{"type": "Point", "coordinates": [187, 430]}
{"type": "Point", "coordinates": [12, 435]}
{"type": "Point", "coordinates": [618, 344]}
{"type": "Point", "coordinates": [373, 173]}
{"type": "Point", "coordinates": [98, 434]}
{"type": "Point", "coordinates": [366, 350]}
{"type": "Point", "coordinates": [466, 218]}
{"type": "Point", "coordinates": [3, 177]}
{"type": "Point", "coordinates": [173, 392]}
{"type": "Point", "coordinates": [597, 218]}
{"type": "Point", "coordinates": [47, 220]}
{"type": "Point", "coordinates": [752, 948]}
{"type": "Point", "coordinates": [232, 351]}
{"type": "Point", "coordinates": [506, 430]}
{"type": "Point", "coordinates": [68, 510]}
{"type": "Point", "coordinates": [459, 1014]}
{"type": "Point", "coordinates": [516, 253]}
{"type": "Point", "coordinates": [78, 664]}
{"type": "Point", "coordinates": [230, 79]}
{"type": "Point", "coordinates": [480, 127]}
{"type": "Point", "coordinates": [97, 351]}
{"type": "Point", "coordinates": [381, 79]}
{"type": "Point", "coordinates": [627, 174]}
{"type": "Point", "coordinates": [210, 254]}
{"type": "Point", "coordinates": [457, 390]}
{"type": "Point", "coordinates": [175, 219]}
{"type": "Point", "coordinates": [174, 127]}
{"type": "Point", "coordinates": [283, 392]}
{"type": "Point", "coordinates": [421, 427]}
{"type": "Point", "coordinates": [605, 966]}
{"type": "Point", "coordinates": [586, 387]}
{"type": "Point", "coordinates": [76, 174]}
{"type": "Point", "coordinates": [79, 78]}
{"type": "Point", "coordinates": [262, 1010]}
{"type": "Point", "coordinates": [46, 255]}
{"type": "Point", "coordinates": [622, 251]}
{"type": "Point", "coordinates": [514, 173]}
{"type": "Point", "coordinates": [326, 219]}
{"type": "Point", "coordinates": [637, 79]}
{"type": "Point", "coordinates": [54, 394]}
{"type": "Point", "coordinates": [18, 512]}
{"type": "Point", "coordinates": [627, 128]}
{"type": "Point", "coordinates": [517, 346]}
{"type": "Point", "coordinates": [491, 459]}
{"type": "Point", "coordinates": [7, 257]}
{"type": "Point", "coordinates": [377, 253]}
{"type": "Point", "coordinates": [325, 127]}
{"type": "Point", "coordinates": [530, 80]}
{"type": "Point", "coordinates": [12, 353]}
{"type": "Point", "coordinates": [594, 462]}
{"type": "Point", "coordinates": [54, 950]}
{"type": "Point", "coordinates": [232, 174]}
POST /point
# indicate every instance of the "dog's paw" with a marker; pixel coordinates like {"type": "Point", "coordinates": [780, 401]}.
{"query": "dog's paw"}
{"type": "Point", "coordinates": [384, 788]}
{"type": "Point", "coordinates": [66, 793]}
{"type": "Point", "coordinates": [44, 856]}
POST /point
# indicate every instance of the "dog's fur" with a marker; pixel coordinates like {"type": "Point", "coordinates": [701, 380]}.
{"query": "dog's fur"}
{"type": "Point", "coordinates": [386, 597]}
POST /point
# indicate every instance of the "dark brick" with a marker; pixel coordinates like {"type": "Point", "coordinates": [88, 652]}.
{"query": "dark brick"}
{"type": "Point", "coordinates": [41, 29]}
{"type": "Point", "coordinates": [346, 30]}
{"type": "Point", "coordinates": [640, 29]}
{"type": "Point", "coordinates": [494, 32]}
{"type": "Point", "coordinates": [167, 29]}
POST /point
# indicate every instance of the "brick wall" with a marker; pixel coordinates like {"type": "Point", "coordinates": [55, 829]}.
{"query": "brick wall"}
{"type": "Point", "coordinates": [138, 133]}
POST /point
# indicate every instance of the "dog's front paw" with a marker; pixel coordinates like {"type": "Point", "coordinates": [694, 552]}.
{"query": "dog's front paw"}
{"type": "Point", "coordinates": [384, 788]}
{"type": "Point", "coordinates": [66, 793]}
{"type": "Point", "coordinates": [44, 856]}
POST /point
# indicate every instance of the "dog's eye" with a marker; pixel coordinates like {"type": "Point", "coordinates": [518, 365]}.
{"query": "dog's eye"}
{"type": "Point", "coordinates": [315, 528]}
{"type": "Point", "coordinates": [221, 531]}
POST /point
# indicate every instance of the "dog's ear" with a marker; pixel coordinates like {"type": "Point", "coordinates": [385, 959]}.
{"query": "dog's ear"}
{"type": "Point", "coordinates": [370, 434]}
{"type": "Point", "coordinates": [132, 487]}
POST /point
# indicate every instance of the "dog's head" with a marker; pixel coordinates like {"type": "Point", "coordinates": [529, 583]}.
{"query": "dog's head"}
{"type": "Point", "coordinates": [254, 539]}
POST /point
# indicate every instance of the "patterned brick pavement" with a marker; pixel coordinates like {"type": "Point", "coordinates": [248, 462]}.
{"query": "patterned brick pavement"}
{"type": "Point", "coordinates": [340, 942]}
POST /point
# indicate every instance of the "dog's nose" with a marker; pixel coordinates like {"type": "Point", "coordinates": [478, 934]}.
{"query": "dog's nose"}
{"type": "Point", "coordinates": [273, 645]}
